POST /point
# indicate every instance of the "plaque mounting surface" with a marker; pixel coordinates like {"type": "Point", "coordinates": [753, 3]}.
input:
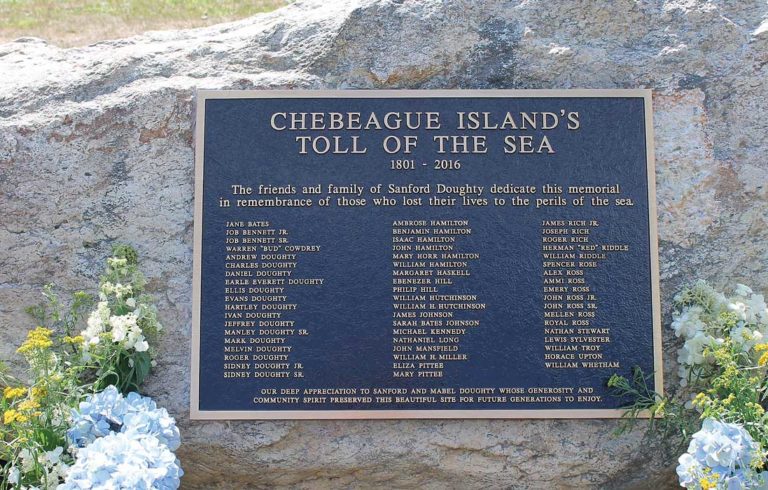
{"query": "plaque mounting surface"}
{"type": "Point", "coordinates": [422, 254]}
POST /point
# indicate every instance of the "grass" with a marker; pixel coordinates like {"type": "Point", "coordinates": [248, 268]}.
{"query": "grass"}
{"type": "Point", "coordinates": [80, 22]}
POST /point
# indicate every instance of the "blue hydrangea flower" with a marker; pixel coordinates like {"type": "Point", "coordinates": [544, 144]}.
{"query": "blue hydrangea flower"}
{"type": "Point", "coordinates": [720, 453]}
{"type": "Point", "coordinates": [689, 471]}
{"type": "Point", "coordinates": [124, 461]}
{"type": "Point", "coordinates": [722, 444]}
{"type": "Point", "coordinates": [97, 416]}
{"type": "Point", "coordinates": [156, 423]}
{"type": "Point", "coordinates": [106, 412]}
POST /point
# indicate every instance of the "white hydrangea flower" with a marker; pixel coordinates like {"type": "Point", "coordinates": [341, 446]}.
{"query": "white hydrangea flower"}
{"type": "Point", "coordinates": [739, 308]}
{"type": "Point", "coordinates": [96, 323]}
{"type": "Point", "coordinates": [95, 328]}
{"type": "Point", "coordinates": [121, 290]}
{"type": "Point", "coordinates": [59, 471]}
{"type": "Point", "coordinates": [107, 288]}
{"type": "Point", "coordinates": [701, 324]}
{"type": "Point", "coordinates": [141, 345]}
{"type": "Point", "coordinates": [757, 310]}
{"type": "Point", "coordinates": [136, 341]}
{"type": "Point", "coordinates": [125, 330]}
{"type": "Point", "coordinates": [692, 352]}
{"type": "Point", "coordinates": [60, 415]}
{"type": "Point", "coordinates": [131, 302]}
{"type": "Point", "coordinates": [104, 312]}
{"type": "Point", "coordinates": [53, 466]}
{"type": "Point", "coordinates": [688, 323]}
{"type": "Point", "coordinates": [51, 458]}
{"type": "Point", "coordinates": [14, 476]}
{"type": "Point", "coordinates": [122, 325]}
{"type": "Point", "coordinates": [746, 338]}
{"type": "Point", "coordinates": [716, 299]}
{"type": "Point", "coordinates": [117, 262]}
{"type": "Point", "coordinates": [27, 460]}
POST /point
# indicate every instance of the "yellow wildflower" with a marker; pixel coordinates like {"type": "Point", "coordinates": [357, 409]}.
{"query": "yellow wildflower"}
{"type": "Point", "coordinates": [11, 416]}
{"type": "Point", "coordinates": [756, 407]}
{"type": "Point", "coordinates": [699, 400]}
{"type": "Point", "coordinates": [708, 482]}
{"type": "Point", "coordinates": [763, 359]}
{"type": "Point", "coordinates": [11, 393]}
{"type": "Point", "coordinates": [28, 405]}
{"type": "Point", "coordinates": [76, 340]}
{"type": "Point", "coordinates": [38, 392]}
{"type": "Point", "coordinates": [37, 339]}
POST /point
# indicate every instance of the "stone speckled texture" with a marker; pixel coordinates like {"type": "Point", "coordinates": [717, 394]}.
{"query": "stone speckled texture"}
{"type": "Point", "coordinates": [96, 147]}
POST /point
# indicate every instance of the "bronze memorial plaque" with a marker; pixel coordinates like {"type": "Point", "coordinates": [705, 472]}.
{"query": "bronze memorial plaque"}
{"type": "Point", "coordinates": [422, 254]}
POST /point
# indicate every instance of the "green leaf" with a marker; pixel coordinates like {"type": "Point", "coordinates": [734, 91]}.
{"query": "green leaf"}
{"type": "Point", "coordinates": [142, 366]}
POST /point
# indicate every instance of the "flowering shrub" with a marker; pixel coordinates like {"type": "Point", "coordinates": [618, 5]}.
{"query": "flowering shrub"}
{"type": "Point", "coordinates": [721, 455]}
{"type": "Point", "coordinates": [34, 417]}
{"type": "Point", "coordinates": [121, 460]}
{"type": "Point", "coordinates": [109, 411]}
{"type": "Point", "coordinates": [123, 442]}
{"type": "Point", "coordinates": [710, 323]}
{"type": "Point", "coordinates": [722, 369]}
{"type": "Point", "coordinates": [119, 329]}
{"type": "Point", "coordinates": [72, 356]}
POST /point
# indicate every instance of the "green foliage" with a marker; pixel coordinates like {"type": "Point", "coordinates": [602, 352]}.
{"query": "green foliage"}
{"type": "Point", "coordinates": [52, 312]}
{"type": "Point", "coordinates": [736, 391]}
{"type": "Point", "coordinates": [722, 370]}
{"type": "Point", "coordinates": [113, 346]}
{"type": "Point", "coordinates": [124, 251]}
{"type": "Point", "coordinates": [124, 326]}
{"type": "Point", "coordinates": [669, 422]}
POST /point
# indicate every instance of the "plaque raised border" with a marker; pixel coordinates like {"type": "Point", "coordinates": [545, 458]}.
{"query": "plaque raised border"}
{"type": "Point", "coordinates": [203, 95]}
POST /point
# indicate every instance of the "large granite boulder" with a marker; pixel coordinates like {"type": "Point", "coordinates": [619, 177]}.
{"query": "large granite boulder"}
{"type": "Point", "coordinates": [96, 147]}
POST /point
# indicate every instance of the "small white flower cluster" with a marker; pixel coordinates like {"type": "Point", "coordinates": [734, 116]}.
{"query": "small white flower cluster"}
{"type": "Point", "coordinates": [50, 462]}
{"type": "Point", "coordinates": [122, 328]}
{"type": "Point", "coordinates": [700, 323]}
{"type": "Point", "coordinates": [119, 290]}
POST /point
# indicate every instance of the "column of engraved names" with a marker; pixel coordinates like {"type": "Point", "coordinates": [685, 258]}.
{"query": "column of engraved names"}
{"type": "Point", "coordinates": [575, 336]}
{"type": "Point", "coordinates": [431, 312]}
{"type": "Point", "coordinates": [261, 271]}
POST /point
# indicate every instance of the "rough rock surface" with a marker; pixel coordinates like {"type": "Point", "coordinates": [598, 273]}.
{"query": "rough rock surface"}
{"type": "Point", "coordinates": [96, 147]}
